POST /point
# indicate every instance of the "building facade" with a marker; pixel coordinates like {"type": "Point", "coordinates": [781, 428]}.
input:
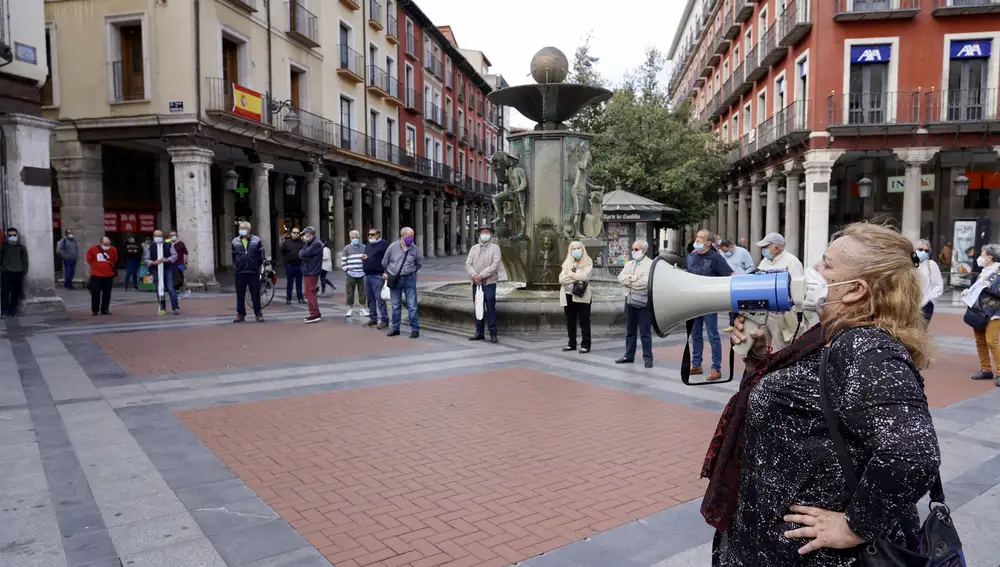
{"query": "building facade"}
{"type": "Point", "coordinates": [202, 114]}
{"type": "Point", "coordinates": [842, 110]}
{"type": "Point", "coordinates": [25, 173]}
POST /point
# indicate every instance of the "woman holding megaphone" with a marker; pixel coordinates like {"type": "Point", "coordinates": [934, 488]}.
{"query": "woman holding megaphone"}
{"type": "Point", "coordinates": [828, 445]}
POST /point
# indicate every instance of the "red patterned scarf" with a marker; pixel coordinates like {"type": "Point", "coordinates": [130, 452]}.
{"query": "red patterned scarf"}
{"type": "Point", "coordinates": [722, 463]}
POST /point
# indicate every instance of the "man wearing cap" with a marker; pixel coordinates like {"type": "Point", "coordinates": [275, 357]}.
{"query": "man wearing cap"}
{"type": "Point", "coordinates": [311, 255]}
{"type": "Point", "coordinates": [781, 326]}
{"type": "Point", "coordinates": [484, 268]}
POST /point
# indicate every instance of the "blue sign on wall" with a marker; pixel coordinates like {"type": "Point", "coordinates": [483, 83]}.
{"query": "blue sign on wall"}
{"type": "Point", "coordinates": [870, 53]}
{"type": "Point", "coordinates": [971, 49]}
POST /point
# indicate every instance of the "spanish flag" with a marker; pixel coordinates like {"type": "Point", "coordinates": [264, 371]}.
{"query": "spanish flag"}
{"type": "Point", "coordinates": [246, 103]}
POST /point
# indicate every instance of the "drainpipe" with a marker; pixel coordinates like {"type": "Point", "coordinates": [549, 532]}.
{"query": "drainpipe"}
{"type": "Point", "coordinates": [197, 57]}
{"type": "Point", "coordinates": [270, 62]}
{"type": "Point", "coordinates": [368, 64]}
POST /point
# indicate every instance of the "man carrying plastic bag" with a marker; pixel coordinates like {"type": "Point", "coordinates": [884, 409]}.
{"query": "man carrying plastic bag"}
{"type": "Point", "coordinates": [484, 268]}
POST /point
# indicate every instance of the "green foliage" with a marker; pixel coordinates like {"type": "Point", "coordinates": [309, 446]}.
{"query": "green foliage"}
{"type": "Point", "coordinates": [655, 151]}
{"type": "Point", "coordinates": [584, 72]}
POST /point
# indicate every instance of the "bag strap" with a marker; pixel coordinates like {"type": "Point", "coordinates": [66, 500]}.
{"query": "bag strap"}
{"type": "Point", "coordinates": [403, 262]}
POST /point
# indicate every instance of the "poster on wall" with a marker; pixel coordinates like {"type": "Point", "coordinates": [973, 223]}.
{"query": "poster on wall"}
{"type": "Point", "coordinates": [147, 222]}
{"type": "Point", "coordinates": [619, 244]}
{"type": "Point", "coordinates": [129, 222]}
{"type": "Point", "coordinates": [968, 237]}
{"type": "Point", "coordinates": [110, 222]}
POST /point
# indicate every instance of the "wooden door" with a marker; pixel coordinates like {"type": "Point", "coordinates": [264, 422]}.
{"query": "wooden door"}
{"type": "Point", "coordinates": [132, 80]}
{"type": "Point", "coordinates": [295, 75]}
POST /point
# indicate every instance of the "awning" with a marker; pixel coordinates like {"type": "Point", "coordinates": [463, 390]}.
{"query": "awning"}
{"type": "Point", "coordinates": [620, 205]}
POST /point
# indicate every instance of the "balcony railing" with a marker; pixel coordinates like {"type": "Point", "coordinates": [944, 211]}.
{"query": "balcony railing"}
{"type": "Point", "coordinates": [739, 81]}
{"type": "Point", "coordinates": [876, 110]}
{"type": "Point", "coordinates": [755, 71]}
{"type": "Point", "coordinates": [383, 81]}
{"type": "Point", "coordinates": [432, 113]}
{"type": "Point", "coordinates": [794, 23]}
{"type": "Point", "coordinates": [744, 9]}
{"type": "Point", "coordinates": [475, 141]}
{"type": "Point", "coordinates": [463, 136]}
{"type": "Point", "coordinates": [853, 10]}
{"type": "Point", "coordinates": [305, 125]}
{"type": "Point", "coordinates": [302, 24]}
{"type": "Point", "coordinates": [964, 7]}
{"type": "Point", "coordinates": [770, 51]}
{"type": "Point", "coordinates": [351, 140]}
{"type": "Point", "coordinates": [469, 184]}
{"type": "Point", "coordinates": [128, 81]}
{"type": "Point", "coordinates": [730, 27]}
{"type": "Point", "coordinates": [416, 163]}
{"type": "Point", "coordinates": [461, 96]}
{"type": "Point", "coordinates": [479, 106]}
{"type": "Point", "coordinates": [432, 64]}
{"type": "Point", "coordinates": [451, 124]}
{"type": "Point", "coordinates": [965, 107]}
{"type": "Point", "coordinates": [375, 15]}
{"type": "Point", "coordinates": [411, 46]}
{"type": "Point", "coordinates": [414, 102]}
{"type": "Point", "coordinates": [248, 5]}
{"type": "Point", "coordinates": [447, 79]}
{"type": "Point", "coordinates": [391, 28]}
{"type": "Point", "coordinates": [220, 96]}
{"type": "Point", "coordinates": [351, 62]}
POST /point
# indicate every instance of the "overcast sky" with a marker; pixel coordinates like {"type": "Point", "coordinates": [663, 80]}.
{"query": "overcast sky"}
{"type": "Point", "coordinates": [509, 32]}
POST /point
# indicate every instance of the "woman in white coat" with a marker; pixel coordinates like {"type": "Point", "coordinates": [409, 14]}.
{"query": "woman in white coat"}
{"type": "Point", "coordinates": [576, 295]}
{"type": "Point", "coordinates": [930, 275]}
{"type": "Point", "coordinates": [327, 268]}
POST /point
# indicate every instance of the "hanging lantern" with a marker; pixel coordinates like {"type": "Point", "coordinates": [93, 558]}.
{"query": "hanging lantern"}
{"type": "Point", "coordinates": [327, 189]}
{"type": "Point", "coordinates": [802, 191]}
{"type": "Point", "coordinates": [864, 187]}
{"type": "Point", "coordinates": [291, 119]}
{"type": "Point", "coordinates": [386, 202]}
{"type": "Point", "coordinates": [348, 195]}
{"type": "Point", "coordinates": [368, 197]}
{"type": "Point", "coordinates": [406, 204]}
{"type": "Point", "coordinates": [961, 185]}
{"type": "Point", "coordinates": [290, 186]}
{"type": "Point", "coordinates": [781, 195]}
{"type": "Point", "coordinates": [231, 180]}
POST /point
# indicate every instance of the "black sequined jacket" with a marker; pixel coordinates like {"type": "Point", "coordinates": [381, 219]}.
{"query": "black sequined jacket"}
{"type": "Point", "coordinates": [788, 458]}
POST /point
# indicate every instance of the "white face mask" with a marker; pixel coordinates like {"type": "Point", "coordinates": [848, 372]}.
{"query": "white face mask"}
{"type": "Point", "coordinates": [981, 262]}
{"type": "Point", "coordinates": [158, 239]}
{"type": "Point", "coordinates": [817, 290]}
{"type": "Point", "coordinates": [105, 247]}
{"type": "Point", "coordinates": [637, 255]}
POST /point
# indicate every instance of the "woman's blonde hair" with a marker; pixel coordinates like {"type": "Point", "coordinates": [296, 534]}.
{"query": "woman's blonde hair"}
{"type": "Point", "coordinates": [894, 289]}
{"type": "Point", "coordinates": [584, 260]}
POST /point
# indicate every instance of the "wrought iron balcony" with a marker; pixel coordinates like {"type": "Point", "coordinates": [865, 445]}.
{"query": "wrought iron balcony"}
{"type": "Point", "coordinates": [249, 6]}
{"type": "Point", "coordinates": [770, 51]}
{"type": "Point", "coordinates": [743, 10]}
{"type": "Point", "coordinates": [305, 125]}
{"type": "Point", "coordinates": [350, 64]}
{"type": "Point", "coordinates": [874, 113]}
{"type": "Point", "coordinates": [351, 140]}
{"type": "Point", "coordinates": [794, 23]}
{"type": "Point", "coordinates": [730, 27]}
{"type": "Point", "coordinates": [375, 15]}
{"type": "Point", "coordinates": [755, 71]}
{"type": "Point", "coordinates": [411, 46]}
{"type": "Point", "coordinates": [432, 113]}
{"type": "Point", "coordinates": [971, 110]}
{"type": "Point", "coordinates": [414, 103]}
{"type": "Point", "coordinates": [302, 24]}
{"type": "Point", "coordinates": [128, 81]}
{"type": "Point", "coordinates": [965, 7]}
{"type": "Point", "coordinates": [432, 64]}
{"type": "Point", "coordinates": [391, 29]}
{"type": "Point", "coordinates": [381, 83]}
{"type": "Point", "coordinates": [854, 10]}
{"type": "Point", "coordinates": [707, 67]}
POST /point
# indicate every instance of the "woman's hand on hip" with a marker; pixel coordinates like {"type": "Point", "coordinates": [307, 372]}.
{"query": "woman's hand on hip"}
{"type": "Point", "coordinates": [826, 529]}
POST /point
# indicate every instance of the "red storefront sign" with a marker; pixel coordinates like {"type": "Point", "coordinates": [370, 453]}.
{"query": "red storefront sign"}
{"type": "Point", "coordinates": [56, 221]}
{"type": "Point", "coordinates": [129, 222]}
{"type": "Point", "coordinates": [110, 222]}
{"type": "Point", "coordinates": [147, 222]}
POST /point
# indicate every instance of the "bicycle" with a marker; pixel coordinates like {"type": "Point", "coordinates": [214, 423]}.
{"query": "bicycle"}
{"type": "Point", "coordinates": [268, 284]}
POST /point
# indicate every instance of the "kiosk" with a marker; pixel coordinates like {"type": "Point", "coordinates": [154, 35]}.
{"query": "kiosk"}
{"type": "Point", "coordinates": [628, 217]}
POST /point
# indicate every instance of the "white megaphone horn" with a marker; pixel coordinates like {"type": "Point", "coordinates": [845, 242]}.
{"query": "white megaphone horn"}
{"type": "Point", "coordinates": [676, 296]}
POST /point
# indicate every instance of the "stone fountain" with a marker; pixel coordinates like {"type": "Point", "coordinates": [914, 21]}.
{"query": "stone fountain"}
{"type": "Point", "coordinates": [546, 202]}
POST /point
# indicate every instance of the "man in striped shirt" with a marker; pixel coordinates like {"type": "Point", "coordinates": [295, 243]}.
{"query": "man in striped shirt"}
{"type": "Point", "coordinates": [353, 261]}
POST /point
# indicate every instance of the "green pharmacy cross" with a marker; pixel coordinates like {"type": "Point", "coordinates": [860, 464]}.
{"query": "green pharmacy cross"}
{"type": "Point", "coordinates": [242, 190]}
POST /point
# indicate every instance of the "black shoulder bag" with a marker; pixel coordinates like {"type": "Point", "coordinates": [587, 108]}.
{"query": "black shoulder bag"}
{"type": "Point", "coordinates": [939, 546]}
{"type": "Point", "coordinates": [393, 280]}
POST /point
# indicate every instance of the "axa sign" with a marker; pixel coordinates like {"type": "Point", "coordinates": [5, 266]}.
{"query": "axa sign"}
{"type": "Point", "coordinates": [971, 49]}
{"type": "Point", "coordinates": [870, 53]}
{"type": "Point", "coordinates": [870, 56]}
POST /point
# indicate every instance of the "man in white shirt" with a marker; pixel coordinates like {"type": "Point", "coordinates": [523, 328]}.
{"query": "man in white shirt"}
{"type": "Point", "coordinates": [782, 326]}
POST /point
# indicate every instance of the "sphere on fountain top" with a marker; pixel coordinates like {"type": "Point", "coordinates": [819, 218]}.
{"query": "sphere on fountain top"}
{"type": "Point", "coordinates": [549, 65]}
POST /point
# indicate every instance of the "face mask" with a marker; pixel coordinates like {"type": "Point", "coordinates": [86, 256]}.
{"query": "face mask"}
{"type": "Point", "coordinates": [105, 247]}
{"type": "Point", "coordinates": [728, 253]}
{"type": "Point", "coordinates": [174, 239]}
{"type": "Point", "coordinates": [408, 240]}
{"type": "Point", "coordinates": [372, 239]}
{"type": "Point", "coordinates": [981, 262]}
{"type": "Point", "coordinates": [12, 239]}
{"type": "Point", "coordinates": [307, 239]}
{"type": "Point", "coordinates": [131, 241]}
{"type": "Point", "coordinates": [243, 232]}
{"type": "Point", "coordinates": [817, 290]}
{"type": "Point", "coordinates": [158, 239]}
{"type": "Point", "coordinates": [637, 255]}
{"type": "Point", "coordinates": [924, 255]}
{"type": "Point", "coordinates": [577, 254]}
{"type": "Point", "coordinates": [69, 236]}
{"type": "Point", "coordinates": [699, 246]}
{"type": "Point", "coordinates": [355, 241]}
{"type": "Point", "coordinates": [484, 238]}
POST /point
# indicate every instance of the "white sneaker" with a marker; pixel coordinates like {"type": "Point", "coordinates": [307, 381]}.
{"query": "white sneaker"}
{"type": "Point", "coordinates": [350, 313]}
{"type": "Point", "coordinates": [187, 294]}
{"type": "Point", "coordinates": [365, 312]}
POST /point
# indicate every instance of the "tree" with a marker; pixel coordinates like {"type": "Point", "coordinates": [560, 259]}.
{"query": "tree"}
{"type": "Point", "coordinates": [584, 72]}
{"type": "Point", "coordinates": [656, 152]}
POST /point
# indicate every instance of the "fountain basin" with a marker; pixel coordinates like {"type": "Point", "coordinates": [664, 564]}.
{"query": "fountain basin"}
{"type": "Point", "coordinates": [448, 306]}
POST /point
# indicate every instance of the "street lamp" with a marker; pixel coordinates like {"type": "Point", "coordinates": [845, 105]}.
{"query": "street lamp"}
{"type": "Point", "coordinates": [802, 190]}
{"type": "Point", "coordinates": [864, 187]}
{"type": "Point", "coordinates": [961, 185]}
{"type": "Point", "coordinates": [231, 180]}
{"type": "Point", "coordinates": [326, 191]}
{"type": "Point", "coordinates": [291, 119]}
{"type": "Point", "coordinates": [386, 202]}
{"type": "Point", "coordinates": [368, 198]}
{"type": "Point", "coordinates": [781, 195]}
{"type": "Point", "coordinates": [406, 204]}
{"type": "Point", "coordinates": [290, 186]}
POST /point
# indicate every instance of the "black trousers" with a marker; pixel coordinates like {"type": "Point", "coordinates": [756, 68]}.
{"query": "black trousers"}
{"type": "Point", "coordinates": [100, 293]}
{"type": "Point", "coordinates": [928, 311]}
{"type": "Point", "coordinates": [577, 312]}
{"type": "Point", "coordinates": [638, 321]}
{"type": "Point", "coordinates": [247, 283]}
{"type": "Point", "coordinates": [11, 290]}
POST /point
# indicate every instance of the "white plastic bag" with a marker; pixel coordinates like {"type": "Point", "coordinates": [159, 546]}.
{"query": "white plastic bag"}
{"type": "Point", "coordinates": [386, 294]}
{"type": "Point", "coordinates": [479, 300]}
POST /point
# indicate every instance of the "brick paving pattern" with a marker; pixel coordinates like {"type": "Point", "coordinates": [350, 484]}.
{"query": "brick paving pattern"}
{"type": "Point", "coordinates": [156, 353]}
{"type": "Point", "coordinates": [484, 469]}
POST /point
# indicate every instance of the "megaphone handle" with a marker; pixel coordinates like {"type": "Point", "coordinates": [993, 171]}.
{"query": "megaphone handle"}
{"type": "Point", "coordinates": [750, 324]}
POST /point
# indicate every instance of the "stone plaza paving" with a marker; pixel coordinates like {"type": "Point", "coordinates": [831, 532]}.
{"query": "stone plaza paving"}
{"type": "Point", "coordinates": [187, 441]}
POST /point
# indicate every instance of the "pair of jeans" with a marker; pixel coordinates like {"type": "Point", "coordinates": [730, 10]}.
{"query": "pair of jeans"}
{"type": "Point", "coordinates": [100, 293]}
{"type": "Point", "coordinates": [294, 276]}
{"type": "Point", "coordinates": [711, 324]}
{"type": "Point", "coordinates": [641, 321]}
{"type": "Point", "coordinates": [489, 319]}
{"type": "Point", "coordinates": [168, 286]}
{"type": "Point", "coordinates": [311, 282]}
{"type": "Point", "coordinates": [11, 288]}
{"type": "Point", "coordinates": [355, 284]}
{"type": "Point", "coordinates": [324, 281]}
{"type": "Point", "coordinates": [928, 311]}
{"type": "Point", "coordinates": [377, 312]}
{"type": "Point", "coordinates": [407, 285]}
{"type": "Point", "coordinates": [247, 283]}
{"type": "Point", "coordinates": [988, 342]}
{"type": "Point", "coordinates": [132, 272]}
{"type": "Point", "coordinates": [69, 270]}
{"type": "Point", "coordinates": [577, 312]}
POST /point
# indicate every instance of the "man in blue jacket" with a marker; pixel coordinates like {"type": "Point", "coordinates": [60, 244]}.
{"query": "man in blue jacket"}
{"type": "Point", "coordinates": [372, 265]}
{"type": "Point", "coordinates": [705, 260]}
{"type": "Point", "coordinates": [248, 257]}
{"type": "Point", "coordinates": [311, 255]}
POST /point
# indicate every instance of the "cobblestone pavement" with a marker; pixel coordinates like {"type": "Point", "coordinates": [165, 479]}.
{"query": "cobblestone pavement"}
{"type": "Point", "coordinates": [140, 441]}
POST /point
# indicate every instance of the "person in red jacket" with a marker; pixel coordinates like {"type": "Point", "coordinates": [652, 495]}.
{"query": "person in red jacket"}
{"type": "Point", "coordinates": [102, 259]}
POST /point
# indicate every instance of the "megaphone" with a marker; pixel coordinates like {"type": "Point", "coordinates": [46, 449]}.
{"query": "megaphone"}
{"type": "Point", "coordinates": [676, 296]}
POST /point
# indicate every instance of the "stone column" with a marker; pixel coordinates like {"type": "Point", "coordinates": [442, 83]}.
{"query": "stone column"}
{"type": "Point", "coordinates": [439, 231]}
{"type": "Point", "coordinates": [338, 223]}
{"type": "Point", "coordinates": [818, 168]}
{"type": "Point", "coordinates": [773, 219]}
{"type": "Point", "coordinates": [378, 219]}
{"type": "Point", "coordinates": [261, 195]}
{"type": "Point", "coordinates": [463, 227]}
{"type": "Point", "coordinates": [792, 233]}
{"type": "Point", "coordinates": [29, 205]}
{"type": "Point", "coordinates": [312, 196]}
{"type": "Point", "coordinates": [744, 213]}
{"type": "Point", "coordinates": [393, 231]}
{"type": "Point", "coordinates": [914, 159]}
{"type": "Point", "coordinates": [357, 205]}
{"type": "Point", "coordinates": [193, 192]}
{"type": "Point", "coordinates": [80, 176]}
{"type": "Point", "coordinates": [163, 191]}
{"type": "Point", "coordinates": [453, 232]}
{"type": "Point", "coordinates": [756, 219]}
{"type": "Point", "coordinates": [419, 223]}
{"type": "Point", "coordinates": [429, 224]}
{"type": "Point", "coordinates": [227, 229]}
{"type": "Point", "coordinates": [721, 215]}
{"type": "Point", "coordinates": [731, 208]}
